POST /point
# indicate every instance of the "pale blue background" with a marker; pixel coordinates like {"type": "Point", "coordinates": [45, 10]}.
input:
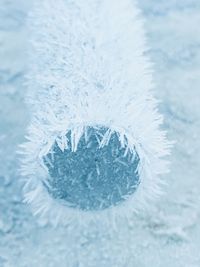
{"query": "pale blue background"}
{"type": "Point", "coordinates": [166, 236]}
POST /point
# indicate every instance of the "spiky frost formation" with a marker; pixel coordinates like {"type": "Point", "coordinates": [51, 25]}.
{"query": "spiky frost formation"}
{"type": "Point", "coordinates": [88, 68]}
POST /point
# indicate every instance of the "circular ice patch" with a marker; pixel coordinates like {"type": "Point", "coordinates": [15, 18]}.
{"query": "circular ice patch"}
{"type": "Point", "coordinates": [94, 177]}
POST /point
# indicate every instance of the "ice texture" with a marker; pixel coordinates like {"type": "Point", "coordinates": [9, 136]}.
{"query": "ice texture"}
{"type": "Point", "coordinates": [169, 234]}
{"type": "Point", "coordinates": [92, 177]}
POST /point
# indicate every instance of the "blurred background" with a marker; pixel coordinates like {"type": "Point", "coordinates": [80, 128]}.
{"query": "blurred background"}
{"type": "Point", "coordinates": [165, 236]}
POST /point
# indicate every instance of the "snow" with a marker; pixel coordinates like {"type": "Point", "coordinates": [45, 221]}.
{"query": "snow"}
{"type": "Point", "coordinates": [169, 233]}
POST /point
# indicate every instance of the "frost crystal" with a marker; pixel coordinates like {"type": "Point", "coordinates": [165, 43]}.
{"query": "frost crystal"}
{"type": "Point", "coordinates": [95, 133]}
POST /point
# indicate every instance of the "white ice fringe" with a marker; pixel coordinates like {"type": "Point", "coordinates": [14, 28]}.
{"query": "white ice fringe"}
{"type": "Point", "coordinates": [88, 68]}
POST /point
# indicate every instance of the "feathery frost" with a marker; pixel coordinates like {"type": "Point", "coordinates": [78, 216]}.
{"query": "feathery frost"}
{"type": "Point", "coordinates": [88, 71]}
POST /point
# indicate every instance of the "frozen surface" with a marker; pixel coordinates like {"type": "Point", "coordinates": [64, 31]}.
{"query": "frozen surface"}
{"type": "Point", "coordinates": [107, 177]}
{"type": "Point", "coordinates": [169, 234]}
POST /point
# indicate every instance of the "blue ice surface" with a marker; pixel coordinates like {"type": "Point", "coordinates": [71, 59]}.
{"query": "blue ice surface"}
{"type": "Point", "coordinates": [167, 235]}
{"type": "Point", "coordinates": [92, 178]}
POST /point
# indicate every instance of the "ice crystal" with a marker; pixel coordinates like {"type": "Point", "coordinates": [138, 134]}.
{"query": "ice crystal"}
{"type": "Point", "coordinates": [88, 68]}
